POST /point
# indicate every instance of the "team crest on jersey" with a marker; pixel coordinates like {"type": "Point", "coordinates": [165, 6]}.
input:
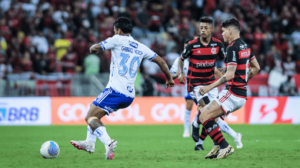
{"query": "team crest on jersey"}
{"type": "Point", "coordinates": [196, 46]}
{"type": "Point", "coordinates": [213, 45]}
{"type": "Point", "coordinates": [133, 44]}
{"type": "Point", "coordinates": [104, 42]}
{"type": "Point", "coordinates": [242, 46]}
{"type": "Point", "coordinates": [214, 51]}
{"type": "Point", "coordinates": [127, 49]}
{"type": "Point", "coordinates": [130, 89]}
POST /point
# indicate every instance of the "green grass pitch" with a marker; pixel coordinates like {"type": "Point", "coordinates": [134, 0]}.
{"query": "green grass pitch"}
{"type": "Point", "coordinates": [266, 146]}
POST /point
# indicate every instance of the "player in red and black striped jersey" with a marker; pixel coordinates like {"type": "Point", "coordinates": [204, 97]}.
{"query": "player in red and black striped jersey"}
{"type": "Point", "coordinates": [240, 55]}
{"type": "Point", "coordinates": [241, 66]}
{"type": "Point", "coordinates": [202, 54]}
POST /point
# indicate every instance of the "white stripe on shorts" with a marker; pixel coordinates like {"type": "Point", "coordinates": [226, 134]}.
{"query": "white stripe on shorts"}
{"type": "Point", "coordinates": [104, 95]}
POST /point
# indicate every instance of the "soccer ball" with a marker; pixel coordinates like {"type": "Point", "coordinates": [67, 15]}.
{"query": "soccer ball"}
{"type": "Point", "coordinates": [49, 150]}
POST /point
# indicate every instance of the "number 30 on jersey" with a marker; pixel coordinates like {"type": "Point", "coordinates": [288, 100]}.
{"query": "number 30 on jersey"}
{"type": "Point", "coordinates": [132, 68]}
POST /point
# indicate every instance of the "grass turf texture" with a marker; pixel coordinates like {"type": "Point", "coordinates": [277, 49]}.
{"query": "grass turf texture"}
{"type": "Point", "coordinates": [149, 146]}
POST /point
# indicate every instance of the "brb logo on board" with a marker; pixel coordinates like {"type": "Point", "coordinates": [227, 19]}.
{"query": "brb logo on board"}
{"type": "Point", "coordinates": [11, 114]}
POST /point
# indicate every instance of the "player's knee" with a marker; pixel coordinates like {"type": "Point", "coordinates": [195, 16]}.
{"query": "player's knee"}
{"type": "Point", "coordinates": [88, 119]}
{"type": "Point", "coordinates": [202, 117]}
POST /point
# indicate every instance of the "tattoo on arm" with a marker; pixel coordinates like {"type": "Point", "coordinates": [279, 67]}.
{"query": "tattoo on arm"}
{"type": "Point", "coordinates": [223, 80]}
{"type": "Point", "coordinates": [250, 74]}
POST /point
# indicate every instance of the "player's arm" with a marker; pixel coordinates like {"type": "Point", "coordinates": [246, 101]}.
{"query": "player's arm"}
{"type": "Point", "coordinates": [109, 43]}
{"type": "Point", "coordinates": [229, 75]}
{"type": "Point", "coordinates": [254, 68]}
{"type": "Point", "coordinates": [94, 49]}
{"type": "Point", "coordinates": [164, 67]}
{"type": "Point", "coordinates": [174, 76]}
{"type": "Point", "coordinates": [181, 76]}
{"type": "Point", "coordinates": [218, 74]}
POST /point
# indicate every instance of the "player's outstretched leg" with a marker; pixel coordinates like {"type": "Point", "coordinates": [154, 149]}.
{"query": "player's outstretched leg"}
{"type": "Point", "coordinates": [93, 119]}
{"type": "Point", "coordinates": [186, 125]}
{"type": "Point", "coordinates": [89, 144]}
{"type": "Point", "coordinates": [207, 117]}
{"type": "Point", "coordinates": [236, 136]}
{"type": "Point", "coordinates": [187, 116]}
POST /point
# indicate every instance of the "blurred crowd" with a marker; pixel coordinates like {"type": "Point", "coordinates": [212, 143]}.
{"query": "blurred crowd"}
{"type": "Point", "coordinates": [46, 36]}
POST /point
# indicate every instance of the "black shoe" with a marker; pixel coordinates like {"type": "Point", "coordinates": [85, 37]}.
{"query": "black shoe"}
{"type": "Point", "coordinates": [199, 147]}
{"type": "Point", "coordinates": [195, 133]}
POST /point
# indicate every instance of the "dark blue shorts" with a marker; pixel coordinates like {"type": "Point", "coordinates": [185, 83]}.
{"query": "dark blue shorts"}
{"type": "Point", "coordinates": [110, 100]}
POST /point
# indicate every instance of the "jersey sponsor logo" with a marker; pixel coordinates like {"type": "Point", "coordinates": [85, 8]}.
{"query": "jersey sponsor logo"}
{"type": "Point", "coordinates": [184, 51]}
{"type": "Point", "coordinates": [214, 51]}
{"type": "Point", "coordinates": [198, 51]}
{"type": "Point", "coordinates": [213, 45]}
{"type": "Point", "coordinates": [133, 44]}
{"type": "Point", "coordinates": [138, 52]}
{"type": "Point", "coordinates": [196, 46]}
{"type": "Point", "coordinates": [233, 56]}
{"type": "Point", "coordinates": [130, 89]}
{"type": "Point", "coordinates": [127, 49]}
{"type": "Point", "coordinates": [245, 53]}
{"type": "Point", "coordinates": [205, 64]}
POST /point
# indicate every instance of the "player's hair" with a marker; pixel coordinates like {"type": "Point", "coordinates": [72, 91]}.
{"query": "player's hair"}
{"type": "Point", "coordinates": [231, 22]}
{"type": "Point", "coordinates": [207, 19]}
{"type": "Point", "coordinates": [124, 24]}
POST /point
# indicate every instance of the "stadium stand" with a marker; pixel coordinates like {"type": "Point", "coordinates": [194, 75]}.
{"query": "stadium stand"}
{"type": "Point", "coordinates": [50, 37]}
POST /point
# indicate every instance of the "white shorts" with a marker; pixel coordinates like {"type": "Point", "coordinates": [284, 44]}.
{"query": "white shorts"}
{"type": "Point", "coordinates": [229, 102]}
{"type": "Point", "coordinates": [197, 96]}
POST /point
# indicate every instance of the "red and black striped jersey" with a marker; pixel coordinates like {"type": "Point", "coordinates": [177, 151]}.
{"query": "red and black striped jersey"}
{"type": "Point", "coordinates": [202, 60]}
{"type": "Point", "coordinates": [238, 53]}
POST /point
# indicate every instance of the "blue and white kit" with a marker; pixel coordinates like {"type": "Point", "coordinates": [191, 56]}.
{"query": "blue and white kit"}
{"type": "Point", "coordinates": [127, 54]}
{"type": "Point", "coordinates": [174, 69]}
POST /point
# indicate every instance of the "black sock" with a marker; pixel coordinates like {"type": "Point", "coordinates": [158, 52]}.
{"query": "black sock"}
{"type": "Point", "coordinates": [223, 144]}
{"type": "Point", "coordinates": [215, 143]}
{"type": "Point", "coordinates": [213, 130]}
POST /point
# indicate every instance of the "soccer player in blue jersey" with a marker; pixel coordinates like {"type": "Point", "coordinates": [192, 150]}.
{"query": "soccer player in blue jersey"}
{"type": "Point", "coordinates": [127, 54]}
